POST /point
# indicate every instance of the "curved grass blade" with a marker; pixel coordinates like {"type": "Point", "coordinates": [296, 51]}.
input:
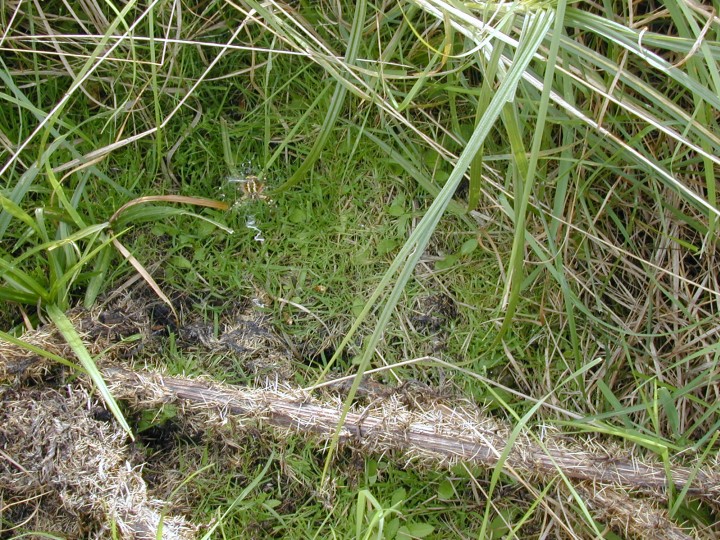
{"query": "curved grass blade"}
{"type": "Point", "coordinates": [182, 199]}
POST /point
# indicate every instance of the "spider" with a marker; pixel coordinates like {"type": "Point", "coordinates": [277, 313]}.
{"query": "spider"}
{"type": "Point", "coordinates": [253, 189]}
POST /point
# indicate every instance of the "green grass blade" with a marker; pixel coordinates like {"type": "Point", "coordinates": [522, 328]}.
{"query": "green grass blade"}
{"type": "Point", "coordinates": [21, 281]}
{"type": "Point", "coordinates": [490, 75]}
{"type": "Point", "coordinates": [528, 174]}
{"type": "Point", "coordinates": [51, 245]}
{"type": "Point", "coordinates": [60, 194]}
{"type": "Point", "coordinates": [18, 213]}
{"type": "Point", "coordinates": [417, 242]}
{"type": "Point", "coordinates": [242, 496]}
{"type": "Point", "coordinates": [39, 351]}
{"type": "Point", "coordinates": [66, 328]}
{"type": "Point", "coordinates": [13, 293]}
{"type": "Point", "coordinates": [336, 102]}
{"type": "Point", "coordinates": [60, 289]}
{"type": "Point", "coordinates": [94, 287]}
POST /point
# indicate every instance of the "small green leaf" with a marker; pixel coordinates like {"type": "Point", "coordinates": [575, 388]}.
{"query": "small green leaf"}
{"type": "Point", "coordinates": [446, 491]}
{"type": "Point", "coordinates": [415, 530]}
{"type": "Point", "coordinates": [448, 262]}
{"type": "Point", "coordinates": [397, 208]}
{"type": "Point", "coordinates": [398, 496]}
{"type": "Point", "coordinates": [386, 246]}
{"type": "Point", "coordinates": [499, 527]}
{"type": "Point", "coordinates": [297, 215]}
{"type": "Point", "coordinates": [668, 405]}
{"type": "Point", "coordinates": [204, 228]}
{"type": "Point", "coordinates": [391, 529]}
{"type": "Point", "coordinates": [469, 246]}
{"type": "Point", "coordinates": [180, 262]}
{"type": "Point", "coordinates": [372, 472]}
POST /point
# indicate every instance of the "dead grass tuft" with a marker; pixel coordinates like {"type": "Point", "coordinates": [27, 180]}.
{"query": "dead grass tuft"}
{"type": "Point", "coordinates": [73, 469]}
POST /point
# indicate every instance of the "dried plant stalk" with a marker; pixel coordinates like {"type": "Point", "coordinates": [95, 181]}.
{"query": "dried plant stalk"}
{"type": "Point", "coordinates": [633, 517]}
{"type": "Point", "coordinates": [454, 434]}
{"type": "Point", "coordinates": [437, 434]}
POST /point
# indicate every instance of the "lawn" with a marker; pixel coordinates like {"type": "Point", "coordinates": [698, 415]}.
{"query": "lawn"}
{"type": "Point", "coordinates": [487, 230]}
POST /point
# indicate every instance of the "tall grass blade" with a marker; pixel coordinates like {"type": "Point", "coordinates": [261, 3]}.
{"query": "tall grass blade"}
{"type": "Point", "coordinates": [336, 102]}
{"type": "Point", "coordinates": [66, 328]}
{"type": "Point", "coordinates": [528, 174]}
{"type": "Point", "coordinates": [412, 250]}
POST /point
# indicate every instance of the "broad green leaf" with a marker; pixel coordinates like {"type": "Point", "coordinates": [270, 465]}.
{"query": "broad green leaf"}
{"type": "Point", "coordinates": [414, 530]}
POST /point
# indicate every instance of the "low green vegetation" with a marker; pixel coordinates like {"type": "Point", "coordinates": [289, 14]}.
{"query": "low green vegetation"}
{"type": "Point", "coordinates": [523, 191]}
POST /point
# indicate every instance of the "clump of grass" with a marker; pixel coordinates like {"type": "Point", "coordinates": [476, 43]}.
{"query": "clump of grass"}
{"type": "Point", "coordinates": [550, 168]}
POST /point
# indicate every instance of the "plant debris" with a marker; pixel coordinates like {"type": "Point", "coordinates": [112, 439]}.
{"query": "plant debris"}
{"type": "Point", "coordinates": [53, 445]}
{"type": "Point", "coordinates": [63, 470]}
